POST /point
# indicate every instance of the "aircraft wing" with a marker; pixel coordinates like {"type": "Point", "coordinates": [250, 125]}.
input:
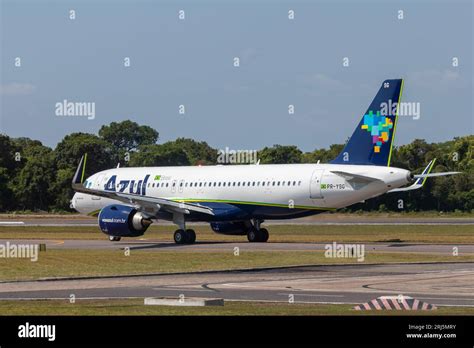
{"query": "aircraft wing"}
{"type": "Point", "coordinates": [355, 177]}
{"type": "Point", "coordinates": [147, 204]}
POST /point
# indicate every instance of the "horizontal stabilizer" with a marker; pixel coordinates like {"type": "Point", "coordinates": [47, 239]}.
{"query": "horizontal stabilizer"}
{"type": "Point", "coordinates": [434, 175]}
{"type": "Point", "coordinates": [419, 181]}
{"type": "Point", "coordinates": [421, 178]}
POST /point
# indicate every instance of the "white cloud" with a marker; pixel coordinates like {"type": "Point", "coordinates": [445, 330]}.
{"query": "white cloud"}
{"type": "Point", "coordinates": [16, 88]}
{"type": "Point", "coordinates": [433, 78]}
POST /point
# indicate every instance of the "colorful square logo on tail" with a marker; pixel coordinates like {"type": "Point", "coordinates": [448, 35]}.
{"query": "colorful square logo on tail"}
{"type": "Point", "coordinates": [378, 127]}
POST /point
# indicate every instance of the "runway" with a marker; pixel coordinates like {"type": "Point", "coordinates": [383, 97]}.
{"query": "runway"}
{"type": "Point", "coordinates": [440, 284]}
{"type": "Point", "coordinates": [157, 246]}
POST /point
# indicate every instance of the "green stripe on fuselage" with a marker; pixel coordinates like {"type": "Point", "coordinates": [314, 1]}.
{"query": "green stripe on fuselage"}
{"type": "Point", "coordinates": [191, 200]}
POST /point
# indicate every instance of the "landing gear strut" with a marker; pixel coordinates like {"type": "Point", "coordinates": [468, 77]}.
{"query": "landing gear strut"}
{"type": "Point", "coordinates": [256, 234]}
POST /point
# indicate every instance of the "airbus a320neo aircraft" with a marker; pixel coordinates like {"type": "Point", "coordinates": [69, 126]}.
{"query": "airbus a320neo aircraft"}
{"type": "Point", "coordinates": [237, 199]}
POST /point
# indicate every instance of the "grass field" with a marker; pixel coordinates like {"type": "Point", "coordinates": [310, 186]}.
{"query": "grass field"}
{"type": "Point", "coordinates": [459, 234]}
{"type": "Point", "coordinates": [136, 307]}
{"type": "Point", "coordinates": [71, 262]}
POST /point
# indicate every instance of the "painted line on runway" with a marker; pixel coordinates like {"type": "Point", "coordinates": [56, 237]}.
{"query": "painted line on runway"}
{"type": "Point", "coordinates": [309, 295]}
{"type": "Point", "coordinates": [181, 289]}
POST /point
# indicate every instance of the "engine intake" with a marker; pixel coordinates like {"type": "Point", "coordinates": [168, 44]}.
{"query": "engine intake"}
{"type": "Point", "coordinates": [122, 221]}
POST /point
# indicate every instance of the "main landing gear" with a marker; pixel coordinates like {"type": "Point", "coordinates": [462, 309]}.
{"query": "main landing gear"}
{"type": "Point", "coordinates": [255, 234]}
{"type": "Point", "coordinates": [183, 235]}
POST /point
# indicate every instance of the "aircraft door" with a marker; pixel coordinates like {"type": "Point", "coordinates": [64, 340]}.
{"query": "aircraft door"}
{"type": "Point", "coordinates": [315, 184]}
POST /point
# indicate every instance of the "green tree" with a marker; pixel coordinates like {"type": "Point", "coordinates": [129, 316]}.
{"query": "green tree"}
{"type": "Point", "coordinates": [67, 155]}
{"type": "Point", "coordinates": [159, 155]}
{"type": "Point", "coordinates": [126, 136]}
{"type": "Point", "coordinates": [198, 152]}
{"type": "Point", "coordinates": [34, 172]}
{"type": "Point", "coordinates": [7, 171]}
{"type": "Point", "coordinates": [280, 154]}
{"type": "Point", "coordinates": [322, 155]}
{"type": "Point", "coordinates": [31, 185]}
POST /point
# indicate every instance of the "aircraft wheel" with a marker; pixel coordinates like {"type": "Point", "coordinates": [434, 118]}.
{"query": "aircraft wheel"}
{"type": "Point", "coordinates": [265, 235]}
{"type": "Point", "coordinates": [114, 239]}
{"type": "Point", "coordinates": [191, 236]}
{"type": "Point", "coordinates": [180, 237]}
{"type": "Point", "coordinates": [253, 235]}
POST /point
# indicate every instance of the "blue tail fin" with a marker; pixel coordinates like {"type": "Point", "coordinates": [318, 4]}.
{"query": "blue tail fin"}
{"type": "Point", "coordinates": [371, 142]}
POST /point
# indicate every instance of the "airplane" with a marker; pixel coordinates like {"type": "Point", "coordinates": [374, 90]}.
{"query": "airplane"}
{"type": "Point", "coordinates": [237, 199]}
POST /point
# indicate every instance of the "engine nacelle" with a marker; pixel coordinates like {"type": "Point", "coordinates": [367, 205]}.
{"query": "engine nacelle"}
{"type": "Point", "coordinates": [122, 221]}
{"type": "Point", "coordinates": [238, 228]}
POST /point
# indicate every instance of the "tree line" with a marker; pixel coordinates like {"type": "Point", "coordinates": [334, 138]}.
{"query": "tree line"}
{"type": "Point", "coordinates": [34, 177]}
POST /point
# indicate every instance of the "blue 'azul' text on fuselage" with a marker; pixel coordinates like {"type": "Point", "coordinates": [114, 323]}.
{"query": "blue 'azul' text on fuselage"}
{"type": "Point", "coordinates": [138, 188]}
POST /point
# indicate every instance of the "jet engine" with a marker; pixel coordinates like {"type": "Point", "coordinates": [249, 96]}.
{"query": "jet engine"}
{"type": "Point", "coordinates": [123, 221]}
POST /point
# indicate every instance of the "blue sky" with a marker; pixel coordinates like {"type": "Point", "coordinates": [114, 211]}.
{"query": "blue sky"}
{"type": "Point", "coordinates": [190, 62]}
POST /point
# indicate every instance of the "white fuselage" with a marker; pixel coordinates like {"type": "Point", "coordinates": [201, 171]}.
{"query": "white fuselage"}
{"type": "Point", "coordinates": [300, 186]}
